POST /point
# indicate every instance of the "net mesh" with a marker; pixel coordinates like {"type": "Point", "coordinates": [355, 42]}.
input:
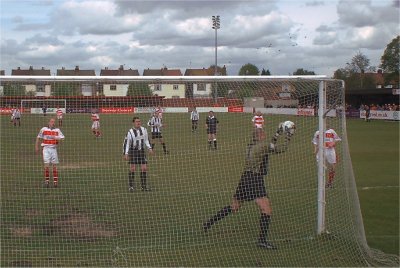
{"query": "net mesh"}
{"type": "Point", "coordinates": [93, 219]}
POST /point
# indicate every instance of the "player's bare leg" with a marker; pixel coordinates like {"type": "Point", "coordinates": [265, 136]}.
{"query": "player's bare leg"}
{"type": "Point", "coordinates": [46, 175]}
{"type": "Point", "coordinates": [331, 176]}
{"type": "Point", "coordinates": [55, 176]}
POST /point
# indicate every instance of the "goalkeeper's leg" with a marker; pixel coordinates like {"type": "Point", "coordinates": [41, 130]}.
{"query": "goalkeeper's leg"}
{"type": "Point", "coordinates": [222, 213]}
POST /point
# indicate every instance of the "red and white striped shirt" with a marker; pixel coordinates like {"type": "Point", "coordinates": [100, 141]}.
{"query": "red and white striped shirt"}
{"type": "Point", "coordinates": [95, 117]}
{"type": "Point", "coordinates": [50, 136]}
{"type": "Point", "coordinates": [258, 121]}
{"type": "Point", "coordinates": [59, 112]}
{"type": "Point", "coordinates": [330, 139]}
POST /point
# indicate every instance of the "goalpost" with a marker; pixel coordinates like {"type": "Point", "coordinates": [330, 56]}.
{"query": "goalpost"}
{"type": "Point", "coordinates": [94, 218]}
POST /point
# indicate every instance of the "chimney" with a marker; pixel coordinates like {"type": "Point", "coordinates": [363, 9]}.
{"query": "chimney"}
{"type": "Point", "coordinates": [121, 67]}
{"type": "Point", "coordinates": [63, 68]}
{"type": "Point", "coordinates": [30, 68]}
{"type": "Point", "coordinates": [380, 71]}
{"type": "Point", "coordinates": [19, 68]}
{"type": "Point", "coordinates": [76, 68]}
{"type": "Point", "coordinates": [42, 68]}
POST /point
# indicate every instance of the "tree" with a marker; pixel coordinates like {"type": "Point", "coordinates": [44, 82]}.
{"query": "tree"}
{"type": "Point", "coordinates": [390, 61]}
{"type": "Point", "coordinates": [267, 72]}
{"type": "Point", "coordinates": [356, 68]}
{"type": "Point", "coordinates": [249, 69]}
{"type": "Point", "coordinates": [14, 90]}
{"type": "Point", "coordinates": [139, 89]}
{"type": "Point", "coordinates": [302, 71]}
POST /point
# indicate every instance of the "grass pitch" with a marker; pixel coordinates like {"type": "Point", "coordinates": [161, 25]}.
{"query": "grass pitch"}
{"type": "Point", "coordinates": [92, 219]}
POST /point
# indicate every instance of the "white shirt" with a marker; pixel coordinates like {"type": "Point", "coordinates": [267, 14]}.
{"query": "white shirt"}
{"type": "Point", "coordinates": [48, 136]}
{"type": "Point", "coordinates": [330, 138]}
{"type": "Point", "coordinates": [136, 139]}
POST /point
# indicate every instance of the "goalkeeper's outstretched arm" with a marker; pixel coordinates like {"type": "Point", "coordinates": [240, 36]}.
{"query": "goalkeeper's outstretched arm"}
{"type": "Point", "coordinates": [287, 129]}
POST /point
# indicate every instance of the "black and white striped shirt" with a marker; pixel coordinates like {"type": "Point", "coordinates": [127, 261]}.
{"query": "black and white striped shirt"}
{"type": "Point", "coordinates": [136, 139]}
{"type": "Point", "coordinates": [195, 115]}
{"type": "Point", "coordinates": [155, 123]}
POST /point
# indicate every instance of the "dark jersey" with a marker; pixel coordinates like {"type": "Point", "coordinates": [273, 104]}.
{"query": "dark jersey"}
{"type": "Point", "coordinates": [211, 123]}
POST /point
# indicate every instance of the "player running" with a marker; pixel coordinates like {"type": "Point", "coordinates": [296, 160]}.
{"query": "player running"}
{"type": "Point", "coordinates": [49, 138]}
{"type": "Point", "coordinates": [96, 124]}
{"type": "Point", "coordinates": [330, 140]}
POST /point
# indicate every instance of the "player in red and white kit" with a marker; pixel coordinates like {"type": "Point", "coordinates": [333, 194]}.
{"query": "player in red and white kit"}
{"type": "Point", "coordinates": [159, 110]}
{"type": "Point", "coordinates": [330, 140]}
{"type": "Point", "coordinates": [258, 120]}
{"type": "Point", "coordinates": [49, 138]}
{"type": "Point", "coordinates": [96, 124]}
{"type": "Point", "coordinates": [59, 113]}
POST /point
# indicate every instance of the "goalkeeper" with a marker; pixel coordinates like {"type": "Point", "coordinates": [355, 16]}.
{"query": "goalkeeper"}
{"type": "Point", "coordinates": [251, 185]}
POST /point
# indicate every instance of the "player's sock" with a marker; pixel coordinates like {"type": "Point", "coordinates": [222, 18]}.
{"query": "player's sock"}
{"type": "Point", "coordinates": [94, 132]}
{"type": "Point", "coordinates": [131, 177]}
{"type": "Point", "coordinates": [47, 174]}
{"type": "Point", "coordinates": [164, 147]}
{"type": "Point", "coordinates": [55, 175]}
{"type": "Point", "coordinates": [98, 134]}
{"type": "Point", "coordinates": [331, 176]}
{"type": "Point", "coordinates": [152, 146]}
{"type": "Point", "coordinates": [218, 216]}
{"type": "Point", "coordinates": [143, 179]}
{"type": "Point", "coordinates": [265, 219]}
{"type": "Point", "coordinates": [209, 144]}
{"type": "Point", "coordinates": [215, 144]}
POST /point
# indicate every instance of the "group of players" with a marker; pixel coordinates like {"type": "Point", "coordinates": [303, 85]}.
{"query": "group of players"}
{"type": "Point", "coordinates": [251, 186]}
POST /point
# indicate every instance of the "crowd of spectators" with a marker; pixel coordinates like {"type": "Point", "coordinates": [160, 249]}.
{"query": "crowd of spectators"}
{"type": "Point", "coordinates": [383, 107]}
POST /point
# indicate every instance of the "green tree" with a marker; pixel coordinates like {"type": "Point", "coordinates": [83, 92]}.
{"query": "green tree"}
{"type": "Point", "coordinates": [249, 69]}
{"type": "Point", "coordinates": [390, 61]}
{"type": "Point", "coordinates": [302, 71]}
{"type": "Point", "coordinates": [341, 73]}
{"type": "Point", "coordinates": [139, 89]}
{"type": "Point", "coordinates": [265, 72]}
{"type": "Point", "coordinates": [14, 90]}
{"type": "Point", "coordinates": [65, 89]}
{"type": "Point", "coordinates": [356, 68]}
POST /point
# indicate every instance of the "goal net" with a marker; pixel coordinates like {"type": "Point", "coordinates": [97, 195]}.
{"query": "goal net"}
{"type": "Point", "coordinates": [179, 206]}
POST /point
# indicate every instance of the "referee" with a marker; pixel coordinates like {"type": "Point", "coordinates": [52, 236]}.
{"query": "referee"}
{"type": "Point", "coordinates": [251, 185]}
{"type": "Point", "coordinates": [134, 151]}
{"type": "Point", "coordinates": [211, 125]}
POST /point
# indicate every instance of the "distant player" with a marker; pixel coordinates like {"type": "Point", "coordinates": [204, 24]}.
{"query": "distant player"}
{"type": "Point", "coordinates": [258, 120]}
{"type": "Point", "coordinates": [159, 110]}
{"type": "Point", "coordinates": [44, 110]}
{"type": "Point", "coordinates": [12, 115]}
{"type": "Point", "coordinates": [194, 116]}
{"type": "Point", "coordinates": [16, 117]}
{"type": "Point", "coordinates": [49, 138]}
{"type": "Point", "coordinates": [211, 125]}
{"type": "Point", "coordinates": [59, 113]}
{"type": "Point", "coordinates": [96, 124]}
{"type": "Point", "coordinates": [156, 124]}
{"type": "Point", "coordinates": [330, 140]}
{"type": "Point", "coordinates": [367, 113]}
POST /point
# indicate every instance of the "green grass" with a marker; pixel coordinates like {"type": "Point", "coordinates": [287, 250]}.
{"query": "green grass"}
{"type": "Point", "coordinates": [374, 149]}
{"type": "Point", "coordinates": [92, 220]}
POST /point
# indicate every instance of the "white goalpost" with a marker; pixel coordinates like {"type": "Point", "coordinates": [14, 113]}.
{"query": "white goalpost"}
{"type": "Point", "coordinates": [207, 186]}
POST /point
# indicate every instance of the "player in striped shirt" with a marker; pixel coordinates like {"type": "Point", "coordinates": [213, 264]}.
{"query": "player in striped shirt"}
{"type": "Point", "coordinates": [135, 143]}
{"type": "Point", "coordinates": [159, 110]}
{"type": "Point", "coordinates": [96, 124]}
{"type": "Point", "coordinates": [258, 120]}
{"type": "Point", "coordinates": [330, 140]}
{"type": "Point", "coordinates": [59, 113]}
{"type": "Point", "coordinates": [16, 117]}
{"type": "Point", "coordinates": [194, 116]}
{"type": "Point", "coordinates": [156, 124]}
{"type": "Point", "coordinates": [49, 138]}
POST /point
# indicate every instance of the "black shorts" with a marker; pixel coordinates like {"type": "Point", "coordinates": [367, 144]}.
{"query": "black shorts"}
{"type": "Point", "coordinates": [137, 157]}
{"type": "Point", "coordinates": [194, 121]}
{"type": "Point", "coordinates": [251, 186]}
{"type": "Point", "coordinates": [211, 131]}
{"type": "Point", "coordinates": [156, 135]}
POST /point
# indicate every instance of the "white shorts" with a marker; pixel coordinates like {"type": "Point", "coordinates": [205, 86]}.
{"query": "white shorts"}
{"type": "Point", "coordinates": [330, 156]}
{"type": "Point", "coordinates": [96, 125]}
{"type": "Point", "coordinates": [50, 155]}
{"type": "Point", "coordinates": [59, 117]}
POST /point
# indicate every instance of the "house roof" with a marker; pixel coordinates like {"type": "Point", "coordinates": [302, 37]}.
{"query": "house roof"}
{"type": "Point", "coordinates": [152, 72]}
{"type": "Point", "coordinates": [196, 72]}
{"type": "Point", "coordinates": [2, 72]}
{"type": "Point", "coordinates": [119, 72]}
{"type": "Point", "coordinates": [75, 72]}
{"type": "Point", "coordinates": [173, 72]}
{"type": "Point", "coordinates": [30, 71]}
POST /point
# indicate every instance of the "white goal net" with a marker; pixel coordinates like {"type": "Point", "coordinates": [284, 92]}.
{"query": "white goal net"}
{"type": "Point", "coordinates": [92, 190]}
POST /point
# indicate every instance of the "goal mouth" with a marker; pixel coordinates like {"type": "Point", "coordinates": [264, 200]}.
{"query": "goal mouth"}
{"type": "Point", "coordinates": [200, 182]}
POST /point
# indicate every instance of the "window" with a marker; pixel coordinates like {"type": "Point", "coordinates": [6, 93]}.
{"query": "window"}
{"type": "Point", "coordinates": [175, 87]}
{"type": "Point", "coordinates": [40, 88]}
{"type": "Point", "coordinates": [113, 87]}
{"type": "Point", "coordinates": [201, 87]}
{"type": "Point", "coordinates": [157, 87]}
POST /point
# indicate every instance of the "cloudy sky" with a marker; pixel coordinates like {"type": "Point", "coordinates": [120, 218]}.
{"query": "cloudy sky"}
{"type": "Point", "coordinates": [281, 36]}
